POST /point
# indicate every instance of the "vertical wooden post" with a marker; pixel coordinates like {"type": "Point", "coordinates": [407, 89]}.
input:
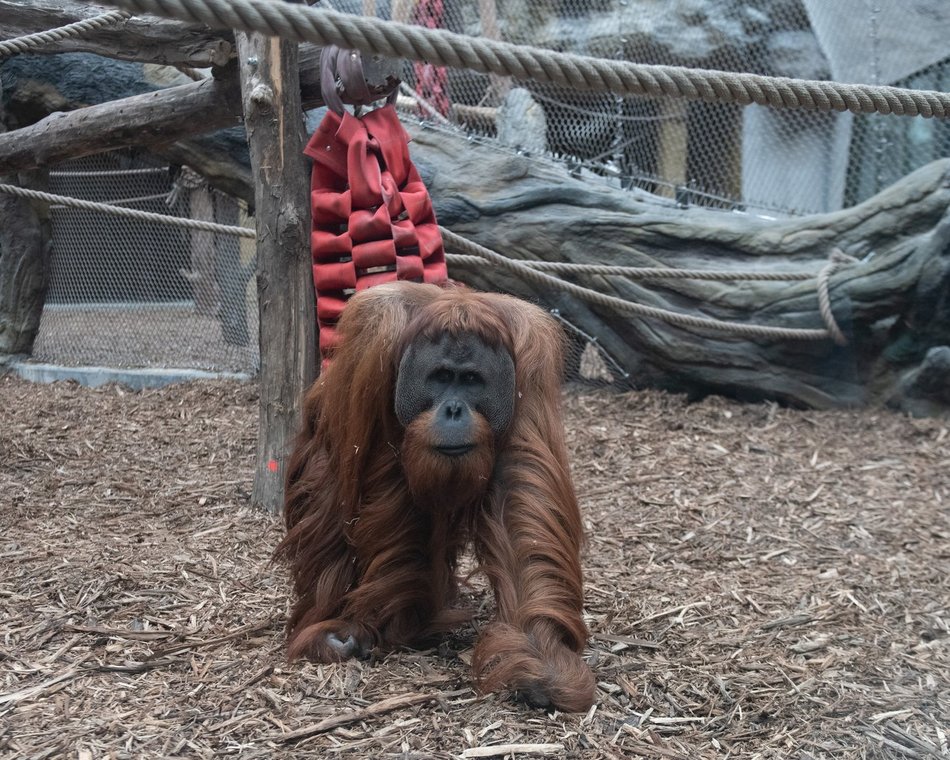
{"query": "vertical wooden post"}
{"type": "Point", "coordinates": [273, 118]}
{"type": "Point", "coordinates": [202, 275]}
{"type": "Point", "coordinates": [231, 274]}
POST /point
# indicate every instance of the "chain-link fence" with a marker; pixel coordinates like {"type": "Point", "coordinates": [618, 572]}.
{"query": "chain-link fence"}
{"type": "Point", "coordinates": [128, 293]}
{"type": "Point", "coordinates": [754, 158]}
{"type": "Point", "coordinates": [133, 293]}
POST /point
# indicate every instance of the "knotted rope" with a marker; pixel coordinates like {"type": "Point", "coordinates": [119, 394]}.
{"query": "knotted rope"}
{"type": "Point", "coordinates": [837, 259]}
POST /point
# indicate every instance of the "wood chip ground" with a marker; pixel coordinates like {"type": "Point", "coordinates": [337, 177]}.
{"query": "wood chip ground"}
{"type": "Point", "coordinates": [761, 583]}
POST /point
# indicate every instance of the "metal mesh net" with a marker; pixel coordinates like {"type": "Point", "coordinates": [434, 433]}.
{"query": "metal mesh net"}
{"type": "Point", "coordinates": [884, 149]}
{"type": "Point", "coordinates": [128, 293]}
{"type": "Point", "coordinates": [723, 155]}
{"type": "Point", "coordinates": [587, 363]}
{"type": "Point", "coordinates": [131, 293]}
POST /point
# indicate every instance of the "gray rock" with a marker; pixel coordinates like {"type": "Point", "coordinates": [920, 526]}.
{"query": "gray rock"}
{"type": "Point", "coordinates": [521, 123]}
{"type": "Point", "coordinates": [925, 391]}
{"type": "Point", "coordinates": [933, 378]}
{"type": "Point", "coordinates": [680, 32]}
{"type": "Point", "coordinates": [797, 54]}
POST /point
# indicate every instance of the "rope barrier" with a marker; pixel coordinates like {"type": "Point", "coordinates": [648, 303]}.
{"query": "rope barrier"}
{"type": "Point", "coordinates": [532, 271]}
{"type": "Point", "coordinates": [650, 273]}
{"type": "Point", "coordinates": [95, 173]}
{"type": "Point", "coordinates": [40, 39]}
{"type": "Point", "coordinates": [627, 307]}
{"type": "Point", "coordinates": [145, 216]}
{"type": "Point", "coordinates": [837, 259]}
{"type": "Point", "coordinates": [443, 48]}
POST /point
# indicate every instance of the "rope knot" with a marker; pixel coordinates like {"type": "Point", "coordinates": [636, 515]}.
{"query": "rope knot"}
{"type": "Point", "coordinates": [836, 259]}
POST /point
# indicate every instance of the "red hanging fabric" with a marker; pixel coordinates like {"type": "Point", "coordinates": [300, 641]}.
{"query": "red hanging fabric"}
{"type": "Point", "coordinates": [431, 81]}
{"type": "Point", "coordinates": [373, 220]}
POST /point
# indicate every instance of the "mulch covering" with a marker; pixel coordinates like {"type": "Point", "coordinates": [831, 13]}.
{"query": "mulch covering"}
{"type": "Point", "coordinates": [762, 582]}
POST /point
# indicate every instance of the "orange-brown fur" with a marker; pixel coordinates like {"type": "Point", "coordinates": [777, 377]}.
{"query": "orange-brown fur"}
{"type": "Point", "coordinates": [376, 521]}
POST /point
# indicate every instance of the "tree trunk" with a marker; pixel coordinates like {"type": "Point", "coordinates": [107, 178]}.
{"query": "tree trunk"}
{"type": "Point", "coordinates": [232, 276]}
{"type": "Point", "coordinates": [24, 268]}
{"type": "Point", "coordinates": [894, 305]}
{"type": "Point", "coordinates": [274, 122]}
{"type": "Point", "coordinates": [24, 272]}
{"type": "Point", "coordinates": [203, 279]}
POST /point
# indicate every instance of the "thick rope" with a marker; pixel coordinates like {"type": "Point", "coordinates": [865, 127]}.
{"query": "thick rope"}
{"type": "Point", "coordinates": [110, 172]}
{"type": "Point", "coordinates": [618, 304]}
{"type": "Point", "coordinates": [395, 40]}
{"type": "Point", "coordinates": [649, 273]}
{"type": "Point", "coordinates": [836, 260]}
{"type": "Point", "coordinates": [475, 253]}
{"type": "Point", "coordinates": [145, 216]}
{"type": "Point", "coordinates": [41, 39]}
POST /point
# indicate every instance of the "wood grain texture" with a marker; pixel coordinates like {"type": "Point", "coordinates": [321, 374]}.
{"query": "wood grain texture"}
{"type": "Point", "coordinates": [273, 118]}
{"type": "Point", "coordinates": [892, 305]}
{"type": "Point", "coordinates": [140, 38]}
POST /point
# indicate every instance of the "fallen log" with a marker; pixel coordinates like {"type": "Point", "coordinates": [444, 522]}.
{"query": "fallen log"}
{"type": "Point", "coordinates": [893, 304]}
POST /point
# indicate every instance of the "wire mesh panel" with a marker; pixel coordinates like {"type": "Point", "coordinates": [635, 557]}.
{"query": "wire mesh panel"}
{"type": "Point", "coordinates": [756, 158]}
{"type": "Point", "coordinates": [131, 293]}
{"type": "Point", "coordinates": [885, 149]}
{"type": "Point", "coordinates": [587, 363]}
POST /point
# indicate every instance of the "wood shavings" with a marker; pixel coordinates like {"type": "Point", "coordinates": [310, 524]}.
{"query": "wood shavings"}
{"type": "Point", "coordinates": [807, 614]}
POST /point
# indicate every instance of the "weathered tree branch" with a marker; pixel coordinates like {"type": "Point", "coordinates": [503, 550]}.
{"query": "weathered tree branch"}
{"type": "Point", "coordinates": [151, 119]}
{"type": "Point", "coordinates": [159, 117]}
{"type": "Point", "coordinates": [24, 268]}
{"type": "Point", "coordinates": [146, 39]}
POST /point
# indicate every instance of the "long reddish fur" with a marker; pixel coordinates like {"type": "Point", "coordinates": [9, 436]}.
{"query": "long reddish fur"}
{"type": "Point", "coordinates": [375, 558]}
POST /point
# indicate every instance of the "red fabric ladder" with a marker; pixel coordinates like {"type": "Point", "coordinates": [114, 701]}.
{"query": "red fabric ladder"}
{"type": "Point", "coordinates": [373, 220]}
